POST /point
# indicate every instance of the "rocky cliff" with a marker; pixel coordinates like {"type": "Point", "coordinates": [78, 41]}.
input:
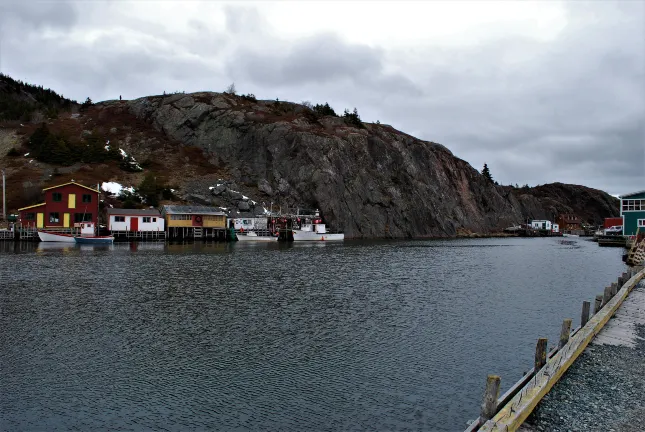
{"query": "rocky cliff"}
{"type": "Point", "coordinates": [369, 180]}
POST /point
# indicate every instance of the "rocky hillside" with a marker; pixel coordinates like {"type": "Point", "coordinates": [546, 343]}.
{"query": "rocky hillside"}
{"type": "Point", "coordinates": [369, 180]}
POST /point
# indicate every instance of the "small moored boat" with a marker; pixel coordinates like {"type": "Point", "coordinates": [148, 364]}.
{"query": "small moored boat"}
{"type": "Point", "coordinates": [94, 240]}
{"type": "Point", "coordinates": [50, 236]}
{"type": "Point", "coordinates": [252, 236]}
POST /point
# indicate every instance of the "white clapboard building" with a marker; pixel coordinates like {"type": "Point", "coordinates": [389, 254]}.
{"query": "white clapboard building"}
{"type": "Point", "coordinates": [145, 220]}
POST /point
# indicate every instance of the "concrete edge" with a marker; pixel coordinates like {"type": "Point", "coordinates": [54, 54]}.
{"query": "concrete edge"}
{"type": "Point", "coordinates": [511, 417]}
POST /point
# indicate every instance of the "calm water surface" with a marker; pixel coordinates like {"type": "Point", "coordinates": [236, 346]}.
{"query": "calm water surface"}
{"type": "Point", "coordinates": [307, 337]}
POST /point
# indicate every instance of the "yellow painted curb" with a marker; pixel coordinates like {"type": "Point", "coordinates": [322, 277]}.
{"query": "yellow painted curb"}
{"type": "Point", "coordinates": [511, 417]}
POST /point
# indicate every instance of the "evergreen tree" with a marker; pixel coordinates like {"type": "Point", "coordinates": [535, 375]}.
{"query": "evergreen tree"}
{"type": "Point", "coordinates": [486, 173]}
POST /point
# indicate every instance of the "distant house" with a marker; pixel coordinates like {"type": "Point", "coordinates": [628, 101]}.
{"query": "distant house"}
{"type": "Point", "coordinates": [555, 228]}
{"type": "Point", "coordinates": [541, 225]}
{"type": "Point", "coordinates": [568, 221]}
{"type": "Point", "coordinates": [65, 205]}
{"type": "Point", "coordinates": [135, 220]}
{"type": "Point", "coordinates": [632, 210]}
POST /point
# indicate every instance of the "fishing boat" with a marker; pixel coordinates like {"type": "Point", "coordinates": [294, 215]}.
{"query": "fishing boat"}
{"type": "Point", "coordinates": [51, 236]}
{"type": "Point", "coordinates": [253, 236]}
{"type": "Point", "coordinates": [315, 230]}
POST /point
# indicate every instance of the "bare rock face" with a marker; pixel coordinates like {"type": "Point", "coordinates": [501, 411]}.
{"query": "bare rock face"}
{"type": "Point", "coordinates": [369, 182]}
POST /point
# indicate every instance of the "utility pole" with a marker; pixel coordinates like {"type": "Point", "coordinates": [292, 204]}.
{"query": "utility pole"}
{"type": "Point", "coordinates": [4, 197]}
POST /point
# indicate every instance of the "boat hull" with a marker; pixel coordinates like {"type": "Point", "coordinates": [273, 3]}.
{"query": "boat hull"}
{"type": "Point", "coordinates": [56, 237]}
{"type": "Point", "coordinates": [312, 236]}
{"type": "Point", "coordinates": [94, 240]}
{"type": "Point", "coordinates": [248, 238]}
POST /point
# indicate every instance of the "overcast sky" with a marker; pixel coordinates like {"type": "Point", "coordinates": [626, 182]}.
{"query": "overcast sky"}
{"type": "Point", "coordinates": [542, 92]}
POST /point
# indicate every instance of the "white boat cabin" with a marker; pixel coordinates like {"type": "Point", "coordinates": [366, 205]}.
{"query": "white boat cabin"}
{"type": "Point", "coordinates": [542, 225]}
{"type": "Point", "coordinates": [86, 228]}
{"type": "Point", "coordinates": [140, 220]}
{"type": "Point", "coordinates": [556, 228]}
{"type": "Point", "coordinates": [250, 224]}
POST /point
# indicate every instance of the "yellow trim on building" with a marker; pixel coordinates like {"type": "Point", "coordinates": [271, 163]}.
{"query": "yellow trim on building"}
{"type": "Point", "coordinates": [71, 203]}
{"type": "Point", "coordinates": [69, 183]}
{"type": "Point", "coordinates": [40, 220]}
{"type": "Point", "coordinates": [66, 220]}
{"type": "Point", "coordinates": [32, 206]}
{"type": "Point", "coordinates": [179, 223]}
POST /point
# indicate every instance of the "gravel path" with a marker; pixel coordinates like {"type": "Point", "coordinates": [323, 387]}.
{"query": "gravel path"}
{"type": "Point", "coordinates": [604, 390]}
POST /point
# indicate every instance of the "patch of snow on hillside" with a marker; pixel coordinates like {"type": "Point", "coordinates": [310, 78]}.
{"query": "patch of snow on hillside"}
{"type": "Point", "coordinates": [26, 154]}
{"type": "Point", "coordinates": [123, 153]}
{"type": "Point", "coordinates": [114, 188]}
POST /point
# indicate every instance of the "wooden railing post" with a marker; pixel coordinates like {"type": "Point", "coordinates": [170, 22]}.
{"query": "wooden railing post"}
{"type": "Point", "coordinates": [565, 332]}
{"type": "Point", "coordinates": [491, 394]}
{"type": "Point", "coordinates": [614, 289]}
{"type": "Point", "coordinates": [584, 318]}
{"type": "Point", "coordinates": [597, 304]}
{"type": "Point", "coordinates": [540, 354]}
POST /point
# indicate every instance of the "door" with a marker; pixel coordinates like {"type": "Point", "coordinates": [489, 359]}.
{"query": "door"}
{"type": "Point", "coordinates": [66, 220]}
{"type": "Point", "coordinates": [134, 224]}
{"type": "Point", "coordinates": [72, 201]}
{"type": "Point", "coordinates": [40, 217]}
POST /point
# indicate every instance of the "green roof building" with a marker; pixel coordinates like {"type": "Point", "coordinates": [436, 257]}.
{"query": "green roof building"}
{"type": "Point", "coordinates": [632, 210]}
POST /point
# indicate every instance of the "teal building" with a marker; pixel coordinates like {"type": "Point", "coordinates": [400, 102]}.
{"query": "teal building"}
{"type": "Point", "coordinates": [632, 210]}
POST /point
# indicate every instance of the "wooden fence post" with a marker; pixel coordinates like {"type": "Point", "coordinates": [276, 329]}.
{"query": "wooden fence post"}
{"type": "Point", "coordinates": [606, 296]}
{"type": "Point", "coordinates": [540, 354]}
{"type": "Point", "coordinates": [491, 394]}
{"type": "Point", "coordinates": [585, 313]}
{"type": "Point", "coordinates": [597, 304]}
{"type": "Point", "coordinates": [565, 332]}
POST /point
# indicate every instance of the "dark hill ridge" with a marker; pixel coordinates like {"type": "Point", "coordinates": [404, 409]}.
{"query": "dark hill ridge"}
{"type": "Point", "coordinates": [369, 180]}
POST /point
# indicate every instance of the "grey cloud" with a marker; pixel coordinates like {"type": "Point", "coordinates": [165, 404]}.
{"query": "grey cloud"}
{"type": "Point", "coordinates": [37, 15]}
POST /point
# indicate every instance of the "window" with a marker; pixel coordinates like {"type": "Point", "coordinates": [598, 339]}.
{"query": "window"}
{"type": "Point", "coordinates": [54, 217]}
{"type": "Point", "coordinates": [633, 205]}
{"type": "Point", "coordinates": [87, 198]}
{"type": "Point", "coordinates": [82, 217]}
{"type": "Point", "coordinates": [30, 216]}
{"type": "Point", "coordinates": [119, 218]}
{"type": "Point", "coordinates": [57, 197]}
{"type": "Point", "coordinates": [181, 217]}
{"type": "Point", "coordinates": [154, 219]}
{"type": "Point", "coordinates": [641, 223]}
{"type": "Point", "coordinates": [146, 219]}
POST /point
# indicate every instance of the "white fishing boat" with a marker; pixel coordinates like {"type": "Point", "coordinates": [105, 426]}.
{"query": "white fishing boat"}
{"type": "Point", "coordinates": [85, 234]}
{"type": "Point", "coordinates": [251, 236]}
{"type": "Point", "coordinates": [52, 236]}
{"type": "Point", "coordinates": [315, 231]}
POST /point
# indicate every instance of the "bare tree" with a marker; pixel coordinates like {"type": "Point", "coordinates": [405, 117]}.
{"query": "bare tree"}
{"type": "Point", "coordinates": [307, 104]}
{"type": "Point", "coordinates": [231, 89]}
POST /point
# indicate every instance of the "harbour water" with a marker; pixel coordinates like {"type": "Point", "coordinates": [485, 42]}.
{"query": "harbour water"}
{"type": "Point", "coordinates": [352, 336]}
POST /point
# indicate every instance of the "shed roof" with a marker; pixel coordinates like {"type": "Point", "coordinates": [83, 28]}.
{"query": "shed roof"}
{"type": "Point", "coordinates": [31, 206]}
{"type": "Point", "coordinates": [133, 212]}
{"type": "Point", "coordinates": [186, 209]}
{"type": "Point", "coordinates": [74, 183]}
{"type": "Point", "coordinates": [629, 195]}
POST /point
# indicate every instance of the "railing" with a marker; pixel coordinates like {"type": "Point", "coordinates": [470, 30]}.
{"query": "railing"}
{"type": "Point", "coordinates": [519, 401]}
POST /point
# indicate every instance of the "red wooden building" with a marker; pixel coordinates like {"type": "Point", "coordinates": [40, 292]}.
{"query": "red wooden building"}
{"type": "Point", "coordinates": [64, 205]}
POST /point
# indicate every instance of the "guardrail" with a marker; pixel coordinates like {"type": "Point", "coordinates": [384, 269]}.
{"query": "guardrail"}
{"type": "Point", "coordinates": [508, 412]}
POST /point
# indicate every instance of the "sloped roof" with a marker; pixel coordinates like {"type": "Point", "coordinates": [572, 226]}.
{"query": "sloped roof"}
{"type": "Point", "coordinates": [31, 206]}
{"type": "Point", "coordinates": [74, 183]}
{"type": "Point", "coordinates": [133, 212]}
{"type": "Point", "coordinates": [633, 193]}
{"type": "Point", "coordinates": [186, 209]}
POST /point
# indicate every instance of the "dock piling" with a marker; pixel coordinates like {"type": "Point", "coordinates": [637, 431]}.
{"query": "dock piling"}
{"type": "Point", "coordinates": [491, 394]}
{"type": "Point", "coordinates": [585, 313]}
{"type": "Point", "coordinates": [606, 296]}
{"type": "Point", "coordinates": [597, 304]}
{"type": "Point", "coordinates": [565, 332]}
{"type": "Point", "coordinates": [540, 354]}
{"type": "Point", "coordinates": [614, 289]}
